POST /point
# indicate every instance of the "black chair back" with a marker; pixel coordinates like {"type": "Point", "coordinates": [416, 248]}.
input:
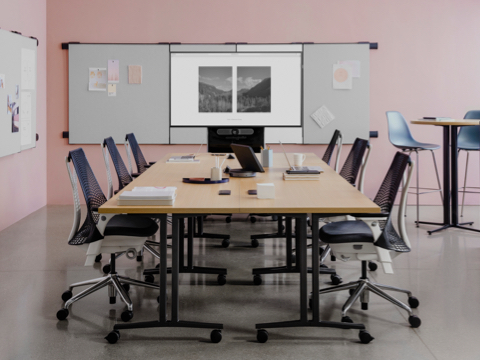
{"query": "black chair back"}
{"type": "Point", "coordinates": [124, 177]}
{"type": "Point", "coordinates": [352, 165]}
{"type": "Point", "coordinates": [137, 153]}
{"type": "Point", "coordinates": [94, 198]}
{"type": "Point", "coordinates": [327, 156]}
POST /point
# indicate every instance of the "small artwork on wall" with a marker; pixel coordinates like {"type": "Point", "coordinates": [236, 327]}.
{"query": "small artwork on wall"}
{"type": "Point", "coordinates": [254, 89]}
{"type": "Point", "coordinates": [215, 89]}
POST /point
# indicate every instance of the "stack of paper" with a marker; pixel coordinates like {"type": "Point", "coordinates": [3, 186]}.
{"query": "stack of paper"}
{"type": "Point", "coordinates": [185, 158]}
{"type": "Point", "coordinates": [301, 176]}
{"type": "Point", "coordinates": [148, 195]}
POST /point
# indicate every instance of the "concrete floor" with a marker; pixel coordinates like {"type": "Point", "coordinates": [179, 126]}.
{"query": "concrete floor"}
{"type": "Point", "coordinates": [37, 265]}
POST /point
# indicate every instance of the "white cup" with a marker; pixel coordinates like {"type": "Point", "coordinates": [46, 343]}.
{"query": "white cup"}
{"type": "Point", "coordinates": [216, 174]}
{"type": "Point", "coordinates": [298, 159]}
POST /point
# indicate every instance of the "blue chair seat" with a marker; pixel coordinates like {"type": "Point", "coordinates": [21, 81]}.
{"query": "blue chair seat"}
{"type": "Point", "coordinates": [412, 145]}
{"type": "Point", "coordinates": [346, 232]}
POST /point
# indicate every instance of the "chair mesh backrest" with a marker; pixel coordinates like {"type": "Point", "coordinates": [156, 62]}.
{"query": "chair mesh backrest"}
{"type": "Point", "coordinates": [352, 165]}
{"type": "Point", "coordinates": [124, 177]}
{"type": "Point", "coordinates": [327, 156]}
{"type": "Point", "coordinates": [94, 198]}
{"type": "Point", "coordinates": [137, 153]}
{"type": "Point", "coordinates": [385, 199]}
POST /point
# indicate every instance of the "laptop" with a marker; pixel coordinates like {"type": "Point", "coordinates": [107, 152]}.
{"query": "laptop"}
{"type": "Point", "coordinates": [301, 169]}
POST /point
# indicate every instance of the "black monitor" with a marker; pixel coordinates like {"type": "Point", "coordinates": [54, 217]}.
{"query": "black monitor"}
{"type": "Point", "coordinates": [221, 137]}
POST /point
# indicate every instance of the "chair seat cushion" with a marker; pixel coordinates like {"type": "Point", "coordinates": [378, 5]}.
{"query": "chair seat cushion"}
{"type": "Point", "coordinates": [127, 225]}
{"type": "Point", "coordinates": [346, 232]}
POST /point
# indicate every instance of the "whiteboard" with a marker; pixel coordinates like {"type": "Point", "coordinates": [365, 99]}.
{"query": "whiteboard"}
{"type": "Point", "coordinates": [18, 100]}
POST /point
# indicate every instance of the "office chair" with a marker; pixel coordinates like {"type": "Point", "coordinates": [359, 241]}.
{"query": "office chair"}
{"type": "Point", "coordinates": [131, 146]}
{"type": "Point", "coordinates": [468, 139]}
{"type": "Point", "coordinates": [327, 155]}
{"type": "Point", "coordinates": [373, 237]}
{"type": "Point", "coordinates": [400, 137]}
{"type": "Point", "coordinates": [124, 179]}
{"type": "Point", "coordinates": [108, 233]}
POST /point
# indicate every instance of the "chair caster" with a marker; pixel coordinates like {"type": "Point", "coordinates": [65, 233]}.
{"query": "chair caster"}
{"type": "Point", "coordinates": [216, 336]}
{"type": "Point", "coordinates": [414, 321]}
{"type": "Point", "coordinates": [62, 314]}
{"type": "Point", "coordinates": [228, 219]}
{"type": "Point", "coordinates": [127, 315]}
{"type": "Point", "coordinates": [157, 266]}
{"type": "Point", "coordinates": [262, 336]}
{"type": "Point", "coordinates": [113, 336]}
{"type": "Point", "coordinates": [139, 258]}
{"type": "Point", "coordinates": [274, 218]}
{"type": "Point", "coordinates": [336, 280]}
{"type": "Point", "coordinates": [225, 243]}
{"type": "Point", "coordinates": [255, 243]}
{"type": "Point", "coordinates": [351, 291]}
{"type": "Point", "coordinates": [106, 269]}
{"type": "Point", "coordinates": [67, 295]}
{"type": "Point", "coordinates": [372, 266]}
{"type": "Point", "coordinates": [364, 306]}
{"type": "Point", "coordinates": [126, 287]}
{"type": "Point", "coordinates": [98, 258]}
{"type": "Point", "coordinates": [257, 279]}
{"type": "Point", "coordinates": [253, 219]}
{"type": "Point", "coordinates": [365, 336]}
{"type": "Point", "coordinates": [333, 258]}
{"type": "Point", "coordinates": [149, 278]}
{"type": "Point", "coordinates": [221, 279]}
{"type": "Point", "coordinates": [412, 301]}
{"type": "Point", "coordinates": [347, 319]}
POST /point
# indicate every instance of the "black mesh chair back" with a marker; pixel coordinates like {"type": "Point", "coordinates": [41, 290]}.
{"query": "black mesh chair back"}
{"type": "Point", "coordinates": [327, 156]}
{"type": "Point", "coordinates": [354, 161]}
{"type": "Point", "coordinates": [385, 199]}
{"type": "Point", "coordinates": [137, 153]}
{"type": "Point", "coordinates": [94, 198]}
{"type": "Point", "coordinates": [124, 177]}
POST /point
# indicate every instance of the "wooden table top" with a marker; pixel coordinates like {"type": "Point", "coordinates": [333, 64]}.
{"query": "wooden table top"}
{"type": "Point", "coordinates": [460, 122]}
{"type": "Point", "coordinates": [330, 194]}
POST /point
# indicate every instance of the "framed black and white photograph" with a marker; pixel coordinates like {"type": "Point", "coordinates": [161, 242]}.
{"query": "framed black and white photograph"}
{"type": "Point", "coordinates": [254, 89]}
{"type": "Point", "coordinates": [214, 89]}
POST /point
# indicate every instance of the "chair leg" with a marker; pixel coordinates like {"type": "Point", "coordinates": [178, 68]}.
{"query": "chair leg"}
{"type": "Point", "coordinates": [151, 250]}
{"type": "Point", "coordinates": [388, 297]}
{"type": "Point", "coordinates": [87, 282]}
{"type": "Point", "coordinates": [347, 286]}
{"type": "Point", "coordinates": [465, 183]}
{"type": "Point", "coordinates": [418, 188]}
{"type": "Point", "coordinates": [106, 281]}
{"type": "Point", "coordinates": [125, 280]}
{"type": "Point", "coordinates": [438, 177]}
{"type": "Point", "coordinates": [392, 288]}
{"type": "Point", "coordinates": [351, 300]}
{"type": "Point", "coordinates": [123, 293]}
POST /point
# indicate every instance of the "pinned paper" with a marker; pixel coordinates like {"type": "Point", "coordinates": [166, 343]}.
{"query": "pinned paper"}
{"type": "Point", "coordinates": [97, 79]}
{"type": "Point", "coordinates": [2, 81]}
{"type": "Point", "coordinates": [342, 76]}
{"type": "Point", "coordinates": [322, 116]}
{"type": "Point", "coordinates": [134, 74]}
{"type": "Point", "coordinates": [112, 89]}
{"type": "Point", "coordinates": [355, 64]}
{"type": "Point", "coordinates": [113, 71]}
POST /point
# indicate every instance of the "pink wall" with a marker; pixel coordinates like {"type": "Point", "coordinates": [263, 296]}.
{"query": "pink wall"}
{"type": "Point", "coordinates": [23, 179]}
{"type": "Point", "coordinates": [426, 65]}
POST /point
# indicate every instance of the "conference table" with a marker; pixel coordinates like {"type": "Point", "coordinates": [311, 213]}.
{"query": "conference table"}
{"type": "Point", "coordinates": [450, 172]}
{"type": "Point", "coordinates": [331, 195]}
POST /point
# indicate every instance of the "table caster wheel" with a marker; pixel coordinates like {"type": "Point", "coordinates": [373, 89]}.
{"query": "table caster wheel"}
{"type": "Point", "coordinates": [67, 295]}
{"type": "Point", "coordinates": [262, 336]}
{"type": "Point", "coordinates": [253, 219]}
{"type": "Point", "coordinates": [336, 280]}
{"type": "Point", "coordinates": [127, 315]}
{"type": "Point", "coordinates": [365, 336]}
{"type": "Point", "coordinates": [372, 266]}
{"type": "Point", "coordinates": [149, 278]}
{"type": "Point", "coordinates": [216, 336]}
{"type": "Point", "coordinates": [414, 321]}
{"type": "Point", "coordinates": [257, 279]}
{"type": "Point", "coordinates": [98, 258]}
{"type": "Point", "coordinates": [62, 314]}
{"type": "Point", "coordinates": [106, 269]}
{"type": "Point", "coordinates": [126, 287]}
{"type": "Point", "coordinates": [225, 243]}
{"type": "Point", "coordinates": [347, 319]}
{"type": "Point", "coordinates": [228, 219]}
{"type": "Point", "coordinates": [412, 301]}
{"type": "Point", "coordinates": [113, 336]}
{"type": "Point", "coordinates": [255, 243]}
{"type": "Point", "coordinates": [221, 279]}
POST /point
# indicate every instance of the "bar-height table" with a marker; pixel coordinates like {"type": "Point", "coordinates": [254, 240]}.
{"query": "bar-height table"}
{"type": "Point", "coordinates": [450, 173]}
{"type": "Point", "coordinates": [294, 200]}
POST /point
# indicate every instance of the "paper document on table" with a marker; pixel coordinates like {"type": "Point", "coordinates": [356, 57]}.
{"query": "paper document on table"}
{"type": "Point", "coordinates": [322, 116]}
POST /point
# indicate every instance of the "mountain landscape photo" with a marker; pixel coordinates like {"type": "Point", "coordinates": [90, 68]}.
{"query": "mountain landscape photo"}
{"type": "Point", "coordinates": [214, 89]}
{"type": "Point", "coordinates": [253, 89]}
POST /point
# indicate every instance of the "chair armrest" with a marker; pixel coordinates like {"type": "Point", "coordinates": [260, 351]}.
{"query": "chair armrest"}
{"type": "Point", "coordinates": [135, 175]}
{"type": "Point", "coordinates": [147, 166]}
{"type": "Point", "coordinates": [152, 162]}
